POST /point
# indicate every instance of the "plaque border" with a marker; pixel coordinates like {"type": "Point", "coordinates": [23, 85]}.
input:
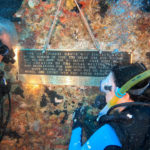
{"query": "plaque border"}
{"type": "Point", "coordinates": [61, 80]}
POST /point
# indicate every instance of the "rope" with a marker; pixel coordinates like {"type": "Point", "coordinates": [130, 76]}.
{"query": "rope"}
{"type": "Point", "coordinates": [96, 43]}
{"type": "Point", "coordinates": [51, 28]}
{"type": "Point", "coordinates": [97, 46]}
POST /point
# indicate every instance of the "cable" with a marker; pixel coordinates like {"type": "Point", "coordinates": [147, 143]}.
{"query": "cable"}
{"type": "Point", "coordinates": [96, 44]}
{"type": "Point", "coordinates": [4, 126]}
{"type": "Point", "coordinates": [1, 113]}
{"type": "Point", "coordinates": [51, 28]}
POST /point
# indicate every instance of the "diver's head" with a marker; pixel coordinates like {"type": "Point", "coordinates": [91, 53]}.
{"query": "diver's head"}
{"type": "Point", "coordinates": [124, 73]}
{"type": "Point", "coordinates": [121, 74]}
{"type": "Point", "coordinates": [8, 34]}
{"type": "Point", "coordinates": [8, 40]}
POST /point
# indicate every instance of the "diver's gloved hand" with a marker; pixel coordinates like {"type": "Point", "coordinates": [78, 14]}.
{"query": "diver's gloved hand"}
{"type": "Point", "coordinates": [100, 102]}
{"type": "Point", "coordinates": [77, 115]}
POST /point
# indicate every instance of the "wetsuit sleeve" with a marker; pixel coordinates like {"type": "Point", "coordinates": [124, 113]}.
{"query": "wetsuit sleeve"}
{"type": "Point", "coordinates": [75, 142]}
{"type": "Point", "coordinates": [102, 138]}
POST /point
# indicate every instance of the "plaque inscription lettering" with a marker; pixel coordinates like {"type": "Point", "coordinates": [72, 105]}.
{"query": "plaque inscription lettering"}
{"type": "Point", "coordinates": [69, 63]}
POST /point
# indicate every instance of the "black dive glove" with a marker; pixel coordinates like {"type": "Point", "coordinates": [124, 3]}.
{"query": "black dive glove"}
{"type": "Point", "coordinates": [100, 102]}
{"type": "Point", "coordinates": [77, 117]}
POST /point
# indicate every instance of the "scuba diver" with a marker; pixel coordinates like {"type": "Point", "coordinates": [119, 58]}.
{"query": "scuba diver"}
{"type": "Point", "coordinates": [126, 124]}
{"type": "Point", "coordinates": [8, 39]}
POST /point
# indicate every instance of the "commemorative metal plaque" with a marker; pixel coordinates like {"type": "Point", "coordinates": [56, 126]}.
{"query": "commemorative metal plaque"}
{"type": "Point", "coordinates": [64, 67]}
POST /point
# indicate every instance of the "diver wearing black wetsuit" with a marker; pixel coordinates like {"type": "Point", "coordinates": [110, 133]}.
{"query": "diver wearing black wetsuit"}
{"type": "Point", "coordinates": [125, 129]}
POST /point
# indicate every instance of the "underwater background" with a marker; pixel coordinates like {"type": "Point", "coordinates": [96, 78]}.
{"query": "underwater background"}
{"type": "Point", "coordinates": [41, 114]}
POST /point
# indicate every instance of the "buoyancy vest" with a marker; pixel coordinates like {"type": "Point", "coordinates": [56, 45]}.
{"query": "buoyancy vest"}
{"type": "Point", "coordinates": [134, 134]}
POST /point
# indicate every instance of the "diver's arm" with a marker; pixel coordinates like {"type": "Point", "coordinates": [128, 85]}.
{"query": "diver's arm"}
{"type": "Point", "coordinates": [105, 137]}
{"type": "Point", "coordinates": [75, 142]}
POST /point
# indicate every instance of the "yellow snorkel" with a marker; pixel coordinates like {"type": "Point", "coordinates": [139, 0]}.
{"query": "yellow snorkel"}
{"type": "Point", "coordinates": [120, 92]}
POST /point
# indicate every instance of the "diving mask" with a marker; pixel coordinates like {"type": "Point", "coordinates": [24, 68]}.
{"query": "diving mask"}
{"type": "Point", "coordinates": [108, 84]}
